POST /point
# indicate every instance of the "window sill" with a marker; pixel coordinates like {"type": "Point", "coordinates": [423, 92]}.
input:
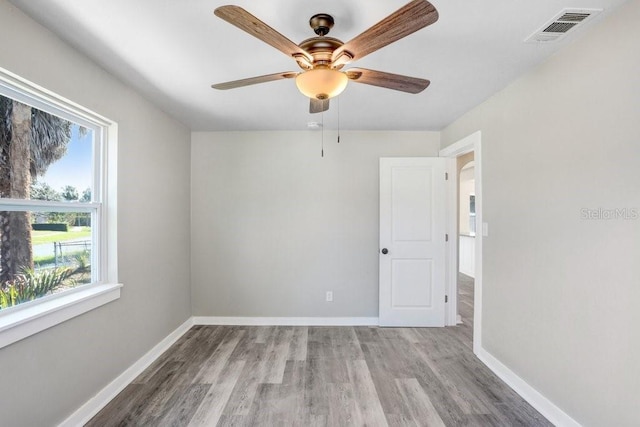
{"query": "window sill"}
{"type": "Point", "coordinates": [20, 322]}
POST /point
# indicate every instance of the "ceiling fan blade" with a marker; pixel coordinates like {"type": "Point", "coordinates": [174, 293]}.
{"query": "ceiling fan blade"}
{"type": "Point", "coordinates": [254, 80]}
{"type": "Point", "coordinates": [247, 22]}
{"type": "Point", "coordinates": [387, 80]}
{"type": "Point", "coordinates": [408, 19]}
{"type": "Point", "coordinates": [318, 105]}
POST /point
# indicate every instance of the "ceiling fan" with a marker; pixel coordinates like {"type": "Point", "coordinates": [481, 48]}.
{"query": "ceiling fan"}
{"type": "Point", "coordinates": [322, 58]}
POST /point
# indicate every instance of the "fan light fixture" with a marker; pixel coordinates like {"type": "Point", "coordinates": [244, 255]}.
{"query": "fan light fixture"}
{"type": "Point", "coordinates": [322, 58]}
{"type": "Point", "coordinates": [321, 83]}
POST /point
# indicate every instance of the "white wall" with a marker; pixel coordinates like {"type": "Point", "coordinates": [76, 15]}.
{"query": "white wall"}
{"type": "Point", "coordinates": [561, 294]}
{"type": "Point", "coordinates": [467, 255]}
{"type": "Point", "coordinates": [49, 375]}
{"type": "Point", "coordinates": [275, 226]}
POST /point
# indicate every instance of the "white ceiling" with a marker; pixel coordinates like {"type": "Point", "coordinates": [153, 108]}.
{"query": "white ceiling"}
{"type": "Point", "coordinates": [172, 51]}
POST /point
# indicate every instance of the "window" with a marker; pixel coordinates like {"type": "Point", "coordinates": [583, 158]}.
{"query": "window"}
{"type": "Point", "coordinates": [472, 214]}
{"type": "Point", "coordinates": [57, 235]}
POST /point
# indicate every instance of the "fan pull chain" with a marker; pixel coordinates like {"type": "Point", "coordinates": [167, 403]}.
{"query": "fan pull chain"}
{"type": "Point", "coordinates": [338, 120]}
{"type": "Point", "coordinates": [322, 143]}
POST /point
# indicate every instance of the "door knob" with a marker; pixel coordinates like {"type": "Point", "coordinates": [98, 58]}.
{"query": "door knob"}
{"type": "Point", "coordinates": [384, 251]}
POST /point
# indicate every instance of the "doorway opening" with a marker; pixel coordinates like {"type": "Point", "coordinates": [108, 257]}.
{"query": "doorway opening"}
{"type": "Point", "coordinates": [464, 213]}
{"type": "Point", "coordinates": [466, 189]}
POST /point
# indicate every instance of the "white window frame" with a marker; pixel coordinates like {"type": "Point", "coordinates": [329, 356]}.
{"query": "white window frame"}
{"type": "Point", "coordinates": [29, 318]}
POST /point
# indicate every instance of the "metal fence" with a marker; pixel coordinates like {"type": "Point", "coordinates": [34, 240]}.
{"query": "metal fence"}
{"type": "Point", "coordinates": [66, 253]}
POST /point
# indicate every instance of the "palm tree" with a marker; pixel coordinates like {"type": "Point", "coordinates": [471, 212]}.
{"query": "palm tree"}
{"type": "Point", "coordinates": [30, 141]}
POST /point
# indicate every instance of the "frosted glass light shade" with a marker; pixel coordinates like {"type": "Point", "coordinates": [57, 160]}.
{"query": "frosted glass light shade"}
{"type": "Point", "coordinates": [321, 83]}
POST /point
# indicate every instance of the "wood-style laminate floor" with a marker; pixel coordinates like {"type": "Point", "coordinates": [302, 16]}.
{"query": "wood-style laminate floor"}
{"type": "Point", "coordinates": [465, 307]}
{"type": "Point", "coordinates": [320, 376]}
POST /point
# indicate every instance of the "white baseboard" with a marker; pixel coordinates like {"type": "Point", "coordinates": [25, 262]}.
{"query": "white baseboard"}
{"type": "Point", "coordinates": [286, 321]}
{"type": "Point", "coordinates": [543, 405]}
{"type": "Point", "coordinates": [96, 403]}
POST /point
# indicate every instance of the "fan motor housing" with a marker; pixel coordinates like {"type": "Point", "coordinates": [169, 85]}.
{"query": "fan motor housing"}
{"type": "Point", "coordinates": [321, 48]}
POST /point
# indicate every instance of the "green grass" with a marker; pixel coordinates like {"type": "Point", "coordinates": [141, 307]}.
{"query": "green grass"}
{"type": "Point", "coordinates": [49, 259]}
{"type": "Point", "coordinates": [42, 236]}
{"type": "Point", "coordinates": [44, 260]}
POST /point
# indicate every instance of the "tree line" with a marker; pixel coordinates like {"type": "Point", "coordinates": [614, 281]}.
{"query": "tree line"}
{"type": "Point", "coordinates": [68, 193]}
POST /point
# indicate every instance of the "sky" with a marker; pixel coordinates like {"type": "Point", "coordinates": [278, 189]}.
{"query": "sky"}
{"type": "Point", "coordinates": [75, 167]}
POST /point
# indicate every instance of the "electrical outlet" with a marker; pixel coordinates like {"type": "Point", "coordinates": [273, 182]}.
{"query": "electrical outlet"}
{"type": "Point", "coordinates": [329, 296]}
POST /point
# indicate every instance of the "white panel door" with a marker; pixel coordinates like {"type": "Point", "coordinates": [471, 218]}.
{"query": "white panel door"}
{"type": "Point", "coordinates": [412, 241]}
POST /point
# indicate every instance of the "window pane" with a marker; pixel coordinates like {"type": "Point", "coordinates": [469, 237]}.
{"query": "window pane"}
{"type": "Point", "coordinates": [43, 156]}
{"type": "Point", "coordinates": [43, 253]}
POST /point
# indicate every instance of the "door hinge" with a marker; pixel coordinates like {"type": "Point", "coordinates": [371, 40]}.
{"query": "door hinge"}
{"type": "Point", "coordinates": [446, 237]}
{"type": "Point", "coordinates": [446, 176]}
{"type": "Point", "coordinates": [446, 298]}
